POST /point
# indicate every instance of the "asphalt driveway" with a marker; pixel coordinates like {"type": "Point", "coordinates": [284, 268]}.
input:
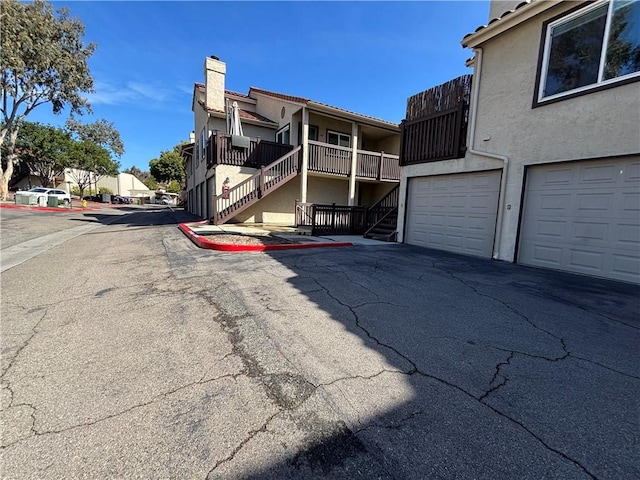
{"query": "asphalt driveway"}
{"type": "Point", "coordinates": [357, 362]}
{"type": "Point", "coordinates": [444, 366]}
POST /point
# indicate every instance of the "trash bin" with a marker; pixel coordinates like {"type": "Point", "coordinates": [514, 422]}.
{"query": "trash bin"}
{"type": "Point", "coordinates": [42, 201]}
{"type": "Point", "coordinates": [21, 199]}
{"type": "Point", "coordinates": [52, 201]}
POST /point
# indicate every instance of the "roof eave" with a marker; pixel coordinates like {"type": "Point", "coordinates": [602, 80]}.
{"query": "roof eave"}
{"type": "Point", "coordinates": [353, 116]}
{"type": "Point", "coordinates": [251, 121]}
{"type": "Point", "coordinates": [507, 21]}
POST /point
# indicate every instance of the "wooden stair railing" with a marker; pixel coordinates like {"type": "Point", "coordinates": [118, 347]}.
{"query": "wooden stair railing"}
{"type": "Point", "coordinates": [240, 197]}
{"type": "Point", "coordinates": [382, 217]}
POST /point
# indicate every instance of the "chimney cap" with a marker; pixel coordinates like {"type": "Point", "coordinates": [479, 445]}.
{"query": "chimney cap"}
{"type": "Point", "coordinates": [214, 57]}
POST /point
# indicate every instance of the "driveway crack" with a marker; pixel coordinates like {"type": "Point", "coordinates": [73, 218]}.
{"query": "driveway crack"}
{"type": "Point", "coordinates": [481, 400]}
{"type": "Point", "coordinates": [499, 379]}
{"type": "Point", "coordinates": [241, 445]}
{"type": "Point", "coordinates": [153, 400]}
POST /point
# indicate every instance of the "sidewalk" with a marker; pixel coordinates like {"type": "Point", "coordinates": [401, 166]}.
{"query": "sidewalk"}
{"type": "Point", "coordinates": [203, 235]}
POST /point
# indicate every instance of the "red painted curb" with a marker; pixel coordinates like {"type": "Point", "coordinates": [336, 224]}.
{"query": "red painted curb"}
{"type": "Point", "coordinates": [202, 242]}
{"type": "Point", "coordinates": [44, 209]}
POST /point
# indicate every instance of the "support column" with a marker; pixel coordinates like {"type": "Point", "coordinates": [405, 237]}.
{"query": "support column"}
{"type": "Point", "coordinates": [354, 164]}
{"type": "Point", "coordinates": [305, 155]}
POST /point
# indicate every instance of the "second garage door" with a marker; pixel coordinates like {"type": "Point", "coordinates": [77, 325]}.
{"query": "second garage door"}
{"type": "Point", "coordinates": [583, 217]}
{"type": "Point", "coordinates": [454, 212]}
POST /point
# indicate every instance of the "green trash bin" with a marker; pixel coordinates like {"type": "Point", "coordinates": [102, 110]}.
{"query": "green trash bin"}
{"type": "Point", "coordinates": [52, 201]}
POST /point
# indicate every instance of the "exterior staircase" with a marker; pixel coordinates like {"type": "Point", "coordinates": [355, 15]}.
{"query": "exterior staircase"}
{"type": "Point", "coordinates": [268, 179]}
{"type": "Point", "coordinates": [385, 229]}
{"type": "Point", "coordinates": [383, 217]}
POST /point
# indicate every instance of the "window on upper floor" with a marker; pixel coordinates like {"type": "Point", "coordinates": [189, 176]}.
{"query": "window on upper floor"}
{"type": "Point", "coordinates": [595, 46]}
{"type": "Point", "coordinates": [282, 135]}
{"type": "Point", "coordinates": [203, 144]}
{"type": "Point", "coordinates": [337, 138]}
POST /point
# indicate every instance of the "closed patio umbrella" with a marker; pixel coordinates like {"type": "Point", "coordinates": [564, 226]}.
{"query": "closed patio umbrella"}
{"type": "Point", "coordinates": [236, 126]}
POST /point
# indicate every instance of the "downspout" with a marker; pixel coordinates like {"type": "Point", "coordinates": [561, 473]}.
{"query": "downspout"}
{"type": "Point", "coordinates": [475, 88]}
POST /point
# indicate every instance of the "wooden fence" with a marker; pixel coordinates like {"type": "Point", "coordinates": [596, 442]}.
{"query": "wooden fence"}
{"type": "Point", "coordinates": [436, 125]}
{"type": "Point", "coordinates": [338, 220]}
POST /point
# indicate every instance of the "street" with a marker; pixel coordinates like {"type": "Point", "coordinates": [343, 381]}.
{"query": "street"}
{"type": "Point", "coordinates": [127, 352]}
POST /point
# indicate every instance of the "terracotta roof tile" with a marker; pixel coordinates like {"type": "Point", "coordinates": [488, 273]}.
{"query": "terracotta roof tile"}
{"type": "Point", "coordinates": [497, 19]}
{"type": "Point", "coordinates": [237, 94]}
{"type": "Point", "coordinates": [289, 98]}
{"type": "Point", "coordinates": [243, 114]}
{"type": "Point", "coordinates": [305, 101]}
{"type": "Point", "coordinates": [281, 96]}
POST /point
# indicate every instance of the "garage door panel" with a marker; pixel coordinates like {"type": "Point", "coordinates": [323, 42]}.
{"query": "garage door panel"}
{"type": "Point", "coordinates": [630, 204]}
{"type": "Point", "coordinates": [631, 173]}
{"type": "Point", "coordinates": [590, 225]}
{"type": "Point", "coordinates": [461, 212]}
{"type": "Point", "coordinates": [601, 175]}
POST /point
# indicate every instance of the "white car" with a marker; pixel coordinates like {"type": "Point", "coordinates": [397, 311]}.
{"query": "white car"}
{"type": "Point", "coordinates": [48, 192]}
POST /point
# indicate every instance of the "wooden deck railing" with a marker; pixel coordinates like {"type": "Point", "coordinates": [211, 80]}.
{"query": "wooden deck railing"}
{"type": "Point", "coordinates": [260, 152]}
{"type": "Point", "coordinates": [332, 159]}
{"type": "Point", "coordinates": [335, 160]}
{"type": "Point", "coordinates": [378, 166]}
{"type": "Point", "coordinates": [252, 189]}
{"type": "Point", "coordinates": [383, 206]}
{"type": "Point", "coordinates": [338, 220]}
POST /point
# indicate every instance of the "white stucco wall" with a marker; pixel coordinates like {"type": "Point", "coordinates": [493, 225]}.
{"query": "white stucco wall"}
{"type": "Point", "coordinates": [123, 184]}
{"type": "Point", "coordinates": [593, 125]}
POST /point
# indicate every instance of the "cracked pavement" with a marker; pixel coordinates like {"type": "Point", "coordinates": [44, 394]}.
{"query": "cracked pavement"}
{"type": "Point", "coordinates": [161, 360]}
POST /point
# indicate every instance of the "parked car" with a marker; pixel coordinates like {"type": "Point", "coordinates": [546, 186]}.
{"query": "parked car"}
{"type": "Point", "coordinates": [47, 192]}
{"type": "Point", "coordinates": [121, 199]}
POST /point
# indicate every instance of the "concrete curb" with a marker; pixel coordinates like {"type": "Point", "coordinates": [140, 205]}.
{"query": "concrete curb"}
{"type": "Point", "coordinates": [45, 209]}
{"type": "Point", "coordinates": [204, 242]}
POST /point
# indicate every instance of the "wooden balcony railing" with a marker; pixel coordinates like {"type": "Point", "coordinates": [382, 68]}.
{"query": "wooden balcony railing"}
{"type": "Point", "coordinates": [249, 191]}
{"type": "Point", "coordinates": [332, 159]}
{"type": "Point", "coordinates": [378, 166]}
{"type": "Point", "coordinates": [335, 160]}
{"type": "Point", "coordinates": [220, 151]}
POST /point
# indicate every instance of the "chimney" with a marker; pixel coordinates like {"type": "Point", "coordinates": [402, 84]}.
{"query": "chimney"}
{"type": "Point", "coordinates": [214, 72]}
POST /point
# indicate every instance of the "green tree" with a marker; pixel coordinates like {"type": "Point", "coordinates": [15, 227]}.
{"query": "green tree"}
{"type": "Point", "coordinates": [174, 187]}
{"type": "Point", "coordinates": [169, 166]}
{"type": "Point", "coordinates": [100, 132]}
{"type": "Point", "coordinates": [89, 163]}
{"type": "Point", "coordinates": [103, 134]}
{"type": "Point", "coordinates": [44, 149]}
{"type": "Point", "coordinates": [43, 59]}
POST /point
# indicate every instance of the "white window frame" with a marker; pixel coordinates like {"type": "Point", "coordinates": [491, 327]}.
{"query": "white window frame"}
{"type": "Point", "coordinates": [282, 131]}
{"type": "Point", "coordinates": [547, 47]}
{"type": "Point", "coordinates": [340, 135]}
{"type": "Point", "coordinates": [203, 144]}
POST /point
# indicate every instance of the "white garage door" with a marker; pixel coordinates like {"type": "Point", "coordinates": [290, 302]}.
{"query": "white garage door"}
{"type": "Point", "coordinates": [454, 212]}
{"type": "Point", "coordinates": [583, 217]}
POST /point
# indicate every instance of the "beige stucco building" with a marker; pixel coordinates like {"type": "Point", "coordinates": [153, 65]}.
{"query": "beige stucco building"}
{"type": "Point", "coordinates": [551, 173]}
{"type": "Point", "coordinates": [344, 157]}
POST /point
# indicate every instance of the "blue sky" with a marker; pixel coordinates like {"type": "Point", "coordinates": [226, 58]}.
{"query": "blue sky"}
{"type": "Point", "coordinates": [367, 57]}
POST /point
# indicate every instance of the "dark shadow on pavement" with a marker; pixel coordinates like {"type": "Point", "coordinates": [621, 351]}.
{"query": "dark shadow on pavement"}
{"type": "Point", "coordinates": [494, 370]}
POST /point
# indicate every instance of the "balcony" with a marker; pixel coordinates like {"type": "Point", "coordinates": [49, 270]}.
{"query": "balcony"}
{"type": "Point", "coordinates": [323, 158]}
{"type": "Point", "coordinates": [221, 151]}
{"type": "Point", "coordinates": [334, 160]}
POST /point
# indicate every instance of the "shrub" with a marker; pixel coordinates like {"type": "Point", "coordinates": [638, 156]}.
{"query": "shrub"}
{"type": "Point", "coordinates": [102, 190]}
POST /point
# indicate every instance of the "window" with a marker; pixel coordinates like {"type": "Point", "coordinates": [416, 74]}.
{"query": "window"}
{"type": "Point", "coordinates": [203, 144]}
{"type": "Point", "coordinates": [337, 138]}
{"type": "Point", "coordinates": [313, 133]}
{"type": "Point", "coordinates": [596, 45]}
{"type": "Point", "coordinates": [282, 135]}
